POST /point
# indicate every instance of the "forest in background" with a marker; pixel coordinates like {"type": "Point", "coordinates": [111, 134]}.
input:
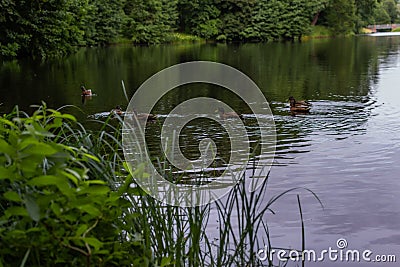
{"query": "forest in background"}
{"type": "Point", "coordinates": [47, 28]}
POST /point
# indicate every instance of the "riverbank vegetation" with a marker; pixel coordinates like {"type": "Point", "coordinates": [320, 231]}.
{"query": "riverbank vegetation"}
{"type": "Point", "coordinates": [55, 28]}
{"type": "Point", "coordinates": [66, 198]}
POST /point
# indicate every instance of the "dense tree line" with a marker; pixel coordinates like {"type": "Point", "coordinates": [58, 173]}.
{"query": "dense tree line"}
{"type": "Point", "coordinates": [42, 28]}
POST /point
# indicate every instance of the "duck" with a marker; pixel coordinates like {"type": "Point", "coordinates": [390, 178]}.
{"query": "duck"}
{"type": "Point", "coordinates": [144, 116]}
{"type": "Point", "coordinates": [227, 115]}
{"type": "Point", "coordinates": [117, 111]}
{"type": "Point", "coordinates": [299, 102]}
{"type": "Point", "coordinates": [300, 109]}
{"type": "Point", "coordinates": [297, 107]}
{"type": "Point", "coordinates": [86, 92]}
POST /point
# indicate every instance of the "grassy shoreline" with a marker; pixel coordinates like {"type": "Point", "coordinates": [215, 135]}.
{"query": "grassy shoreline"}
{"type": "Point", "coordinates": [66, 197]}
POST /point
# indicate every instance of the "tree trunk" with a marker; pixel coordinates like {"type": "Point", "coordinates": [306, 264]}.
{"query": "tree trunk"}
{"type": "Point", "coordinates": [315, 20]}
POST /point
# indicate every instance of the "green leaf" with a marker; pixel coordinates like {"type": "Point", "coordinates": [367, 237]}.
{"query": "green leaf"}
{"type": "Point", "coordinates": [165, 261]}
{"type": "Point", "coordinates": [9, 123]}
{"type": "Point", "coordinates": [56, 208]}
{"type": "Point", "coordinates": [96, 182]}
{"type": "Point", "coordinates": [17, 234]}
{"type": "Point", "coordinates": [25, 258]}
{"type": "Point", "coordinates": [34, 230]}
{"type": "Point", "coordinates": [72, 217]}
{"type": "Point", "coordinates": [102, 252]}
{"type": "Point", "coordinates": [91, 157]}
{"type": "Point", "coordinates": [32, 207]}
{"type": "Point", "coordinates": [95, 190]}
{"type": "Point", "coordinates": [37, 131]}
{"type": "Point", "coordinates": [94, 242]}
{"type": "Point", "coordinates": [6, 173]}
{"type": "Point", "coordinates": [113, 197]}
{"type": "Point", "coordinates": [12, 196]}
{"type": "Point", "coordinates": [67, 116]}
{"type": "Point", "coordinates": [46, 180]}
{"type": "Point", "coordinates": [16, 211]}
{"type": "Point", "coordinates": [72, 175]}
{"type": "Point", "coordinates": [55, 123]}
{"type": "Point", "coordinates": [81, 230]}
{"type": "Point", "coordinates": [40, 149]}
{"type": "Point", "coordinates": [92, 210]}
{"type": "Point", "coordinates": [28, 141]}
{"type": "Point", "coordinates": [136, 191]}
{"type": "Point", "coordinates": [6, 148]}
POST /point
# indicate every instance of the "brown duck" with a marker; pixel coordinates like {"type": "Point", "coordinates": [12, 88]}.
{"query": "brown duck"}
{"type": "Point", "coordinates": [117, 110]}
{"type": "Point", "coordinates": [227, 115]}
{"type": "Point", "coordinates": [299, 106]}
{"type": "Point", "coordinates": [144, 116]}
{"type": "Point", "coordinates": [86, 92]}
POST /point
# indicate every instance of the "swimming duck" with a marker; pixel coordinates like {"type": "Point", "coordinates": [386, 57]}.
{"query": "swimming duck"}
{"type": "Point", "coordinates": [86, 92]}
{"type": "Point", "coordinates": [117, 111]}
{"type": "Point", "coordinates": [226, 115]}
{"type": "Point", "coordinates": [144, 116]}
{"type": "Point", "coordinates": [298, 102]}
{"type": "Point", "coordinates": [297, 107]}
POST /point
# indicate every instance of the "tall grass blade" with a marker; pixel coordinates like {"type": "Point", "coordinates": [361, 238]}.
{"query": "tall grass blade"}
{"type": "Point", "coordinates": [124, 90]}
{"type": "Point", "coordinates": [25, 258]}
{"type": "Point", "coordinates": [303, 238]}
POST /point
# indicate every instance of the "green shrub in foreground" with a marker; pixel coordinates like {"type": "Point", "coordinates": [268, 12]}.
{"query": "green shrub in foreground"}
{"type": "Point", "coordinates": [66, 199]}
{"type": "Point", "coordinates": [52, 212]}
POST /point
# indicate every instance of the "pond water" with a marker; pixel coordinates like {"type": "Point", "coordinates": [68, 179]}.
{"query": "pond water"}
{"type": "Point", "coordinates": [346, 150]}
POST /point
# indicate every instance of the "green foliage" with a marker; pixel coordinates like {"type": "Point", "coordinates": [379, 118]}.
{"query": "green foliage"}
{"type": "Point", "coordinates": [182, 37]}
{"type": "Point", "coordinates": [321, 31]}
{"type": "Point", "coordinates": [390, 7]}
{"type": "Point", "coordinates": [102, 21]}
{"type": "Point", "coordinates": [53, 210]}
{"type": "Point", "coordinates": [255, 20]}
{"type": "Point", "coordinates": [47, 28]}
{"type": "Point", "coordinates": [234, 18]}
{"type": "Point", "coordinates": [365, 10]}
{"type": "Point", "coordinates": [398, 13]}
{"type": "Point", "coordinates": [150, 22]}
{"type": "Point", "coordinates": [280, 19]}
{"type": "Point", "coordinates": [199, 17]}
{"type": "Point", "coordinates": [53, 28]}
{"type": "Point", "coordinates": [66, 199]}
{"type": "Point", "coordinates": [340, 16]}
{"type": "Point", "coordinates": [266, 22]}
{"type": "Point", "coordinates": [381, 16]}
{"type": "Point", "coordinates": [38, 28]}
{"type": "Point", "coordinates": [345, 16]}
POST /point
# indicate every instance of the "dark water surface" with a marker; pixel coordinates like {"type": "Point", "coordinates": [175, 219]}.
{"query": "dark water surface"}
{"type": "Point", "coordinates": [347, 150]}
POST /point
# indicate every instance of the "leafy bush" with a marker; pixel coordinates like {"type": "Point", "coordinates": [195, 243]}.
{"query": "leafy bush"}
{"type": "Point", "coordinates": [150, 22]}
{"type": "Point", "coordinates": [66, 199]}
{"type": "Point", "coordinates": [182, 37]}
{"type": "Point", "coordinates": [53, 210]}
{"type": "Point", "coordinates": [321, 31]}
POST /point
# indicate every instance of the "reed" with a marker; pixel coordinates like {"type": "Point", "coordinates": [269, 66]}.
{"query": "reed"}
{"type": "Point", "coordinates": [179, 236]}
{"type": "Point", "coordinates": [183, 235]}
{"type": "Point", "coordinates": [147, 232]}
